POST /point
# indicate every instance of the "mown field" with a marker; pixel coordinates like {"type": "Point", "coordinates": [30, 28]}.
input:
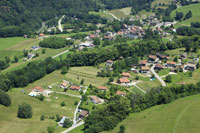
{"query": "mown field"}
{"type": "Point", "coordinates": [180, 116]}
{"type": "Point", "coordinates": [195, 14]}
{"type": "Point", "coordinates": [76, 74]}
{"type": "Point", "coordinates": [50, 107]}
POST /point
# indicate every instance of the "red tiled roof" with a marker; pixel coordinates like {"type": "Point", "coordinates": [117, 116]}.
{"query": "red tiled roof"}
{"type": "Point", "coordinates": [84, 113]}
{"type": "Point", "coordinates": [64, 84]}
{"type": "Point", "coordinates": [41, 34]}
{"type": "Point", "coordinates": [152, 57]}
{"type": "Point", "coordinates": [171, 62]}
{"type": "Point", "coordinates": [96, 99]}
{"type": "Point", "coordinates": [145, 68]}
{"type": "Point", "coordinates": [38, 88]}
{"type": "Point", "coordinates": [143, 62]}
{"type": "Point", "coordinates": [124, 80]}
{"type": "Point", "coordinates": [74, 87]}
{"type": "Point", "coordinates": [159, 66]}
{"type": "Point", "coordinates": [120, 93]}
{"type": "Point", "coordinates": [109, 61]}
{"type": "Point", "coordinates": [125, 74]}
{"type": "Point", "coordinates": [102, 88]}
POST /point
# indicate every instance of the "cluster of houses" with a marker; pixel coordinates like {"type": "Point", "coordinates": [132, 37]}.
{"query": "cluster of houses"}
{"type": "Point", "coordinates": [66, 84]}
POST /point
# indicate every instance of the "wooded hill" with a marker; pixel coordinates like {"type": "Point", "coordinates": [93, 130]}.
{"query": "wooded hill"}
{"type": "Point", "coordinates": [18, 17]}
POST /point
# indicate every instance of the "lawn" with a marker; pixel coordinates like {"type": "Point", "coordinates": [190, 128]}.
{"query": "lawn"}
{"type": "Point", "coordinates": [185, 77]}
{"type": "Point", "coordinates": [76, 74]}
{"type": "Point", "coordinates": [175, 52]}
{"type": "Point", "coordinates": [50, 107]}
{"type": "Point", "coordinates": [164, 72]}
{"type": "Point", "coordinates": [102, 14]}
{"type": "Point", "coordinates": [147, 85]}
{"type": "Point", "coordinates": [78, 129]}
{"type": "Point", "coordinates": [195, 14]}
{"type": "Point", "coordinates": [179, 116]}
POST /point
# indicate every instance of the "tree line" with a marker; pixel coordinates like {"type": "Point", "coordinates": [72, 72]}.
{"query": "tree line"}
{"type": "Point", "coordinates": [55, 42]}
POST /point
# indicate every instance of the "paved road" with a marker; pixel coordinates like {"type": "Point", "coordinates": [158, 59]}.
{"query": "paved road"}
{"type": "Point", "coordinates": [75, 112]}
{"type": "Point", "coordinates": [59, 24]}
{"type": "Point", "coordinates": [157, 76]}
{"type": "Point", "coordinates": [112, 15]}
{"type": "Point", "coordinates": [73, 127]}
{"type": "Point", "coordinates": [60, 54]}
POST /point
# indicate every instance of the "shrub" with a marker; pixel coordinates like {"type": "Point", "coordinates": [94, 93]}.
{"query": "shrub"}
{"type": "Point", "coordinates": [5, 99]}
{"type": "Point", "coordinates": [62, 103]}
{"type": "Point", "coordinates": [42, 117]}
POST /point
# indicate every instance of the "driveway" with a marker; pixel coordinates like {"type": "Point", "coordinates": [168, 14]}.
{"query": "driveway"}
{"type": "Point", "coordinates": [157, 76]}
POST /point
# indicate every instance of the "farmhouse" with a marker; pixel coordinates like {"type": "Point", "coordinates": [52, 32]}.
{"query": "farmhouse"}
{"type": "Point", "coordinates": [95, 100]}
{"type": "Point", "coordinates": [63, 85]}
{"type": "Point", "coordinates": [36, 91]}
{"type": "Point", "coordinates": [190, 67]}
{"type": "Point", "coordinates": [171, 64]}
{"type": "Point", "coordinates": [120, 93]}
{"type": "Point", "coordinates": [102, 88]}
{"type": "Point", "coordinates": [83, 114]}
{"type": "Point", "coordinates": [184, 56]}
{"type": "Point", "coordinates": [125, 74]}
{"type": "Point", "coordinates": [123, 81]}
{"type": "Point", "coordinates": [30, 56]}
{"type": "Point", "coordinates": [158, 67]}
{"type": "Point", "coordinates": [109, 63]}
{"type": "Point", "coordinates": [144, 69]}
{"type": "Point", "coordinates": [152, 58]}
{"type": "Point", "coordinates": [75, 88]}
{"type": "Point", "coordinates": [61, 122]}
{"type": "Point", "coordinates": [143, 63]}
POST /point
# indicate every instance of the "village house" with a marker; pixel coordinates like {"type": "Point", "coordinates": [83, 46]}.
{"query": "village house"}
{"type": "Point", "coordinates": [143, 63]}
{"type": "Point", "coordinates": [183, 56]}
{"type": "Point", "coordinates": [152, 58]}
{"type": "Point", "coordinates": [144, 69]}
{"type": "Point", "coordinates": [41, 35]}
{"type": "Point", "coordinates": [125, 74]}
{"type": "Point", "coordinates": [30, 56]}
{"type": "Point", "coordinates": [161, 57]}
{"type": "Point", "coordinates": [123, 81]}
{"type": "Point", "coordinates": [158, 67]}
{"type": "Point", "coordinates": [63, 85]}
{"type": "Point", "coordinates": [171, 64]}
{"type": "Point", "coordinates": [102, 88]}
{"type": "Point", "coordinates": [75, 88]}
{"type": "Point", "coordinates": [36, 91]}
{"type": "Point", "coordinates": [120, 93]}
{"type": "Point", "coordinates": [190, 67]}
{"type": "Point", "coordinates": [83, 114]}
{"type": "Point", "coordinates": [109, 63]}
{"type": "Point", "coordinates": [95, 100]}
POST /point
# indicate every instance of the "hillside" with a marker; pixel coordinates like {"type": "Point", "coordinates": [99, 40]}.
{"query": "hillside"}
{"type": "Point", "coordinates": [178, 117]}
{"type": "Point", "coordinates": [194, 8]}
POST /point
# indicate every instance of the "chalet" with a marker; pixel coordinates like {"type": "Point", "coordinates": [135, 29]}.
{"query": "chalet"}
{"type": "Point", "coordinates": [190, 67]}
{"type": "Point", "coordinates": [87, 44]}
{"type": "Point", "coordinates": [184, 56]}
{"type": "Point", "coordinates": [36, 91]}
{"type": "Point", "coordinates": [75, 88]}
{"type": "Point", "coordinates": [109, 63]}
{"type": "Point", "coordinates": [83, 114]}
{"type": "Point", "coordinates": [120, 93]}
{"type": "Point", "coordinates": [35, 48]}
{"type": "Point", "coordinates": [152, 58]}
{"type": "Point", "coordinates": [144, 69]}
{"type": "Point", "coordinates": [102, 88]}
{"type": "Point", "coordinates": [125, 74]}
{"type": "Point", "coordinates": [143, 63]}
{"type": "Point", "coordinates": [160, 56]}
{"type": "Point", "coordinates": [123, 81]}
{"type": "Point", "coordinates": [158, 67]}
{"type": "Point", "coordinates": [95, 100]}
{"type": "Point", "coordinates": [171, 64]}
{"type": "Point", "coordinates": [63, 85]}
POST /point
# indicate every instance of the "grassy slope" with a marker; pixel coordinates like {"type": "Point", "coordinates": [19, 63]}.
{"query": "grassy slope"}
{"type": "Point", "coordinates": [195, 14]}
{"type": "Point", "coordinates": [10, 123]}
{"type": "Point", "coordinates": [179, 116]}
{"type": "Point", "coordinates": [76, 74]}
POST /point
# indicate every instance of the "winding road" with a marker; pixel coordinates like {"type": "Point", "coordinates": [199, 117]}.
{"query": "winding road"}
{"type": "Point", "coordinates": [157, 76]}
{"type": "Point", "coordinates": [59, 24]}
